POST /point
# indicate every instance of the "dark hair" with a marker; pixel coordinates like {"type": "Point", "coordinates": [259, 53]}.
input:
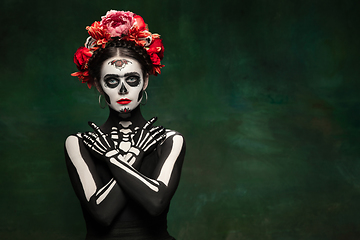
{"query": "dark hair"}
{"type": "Point", "coordinates": [124, 48]}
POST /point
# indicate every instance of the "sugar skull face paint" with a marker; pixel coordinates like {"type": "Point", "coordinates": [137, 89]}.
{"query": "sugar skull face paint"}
{"type": "Point", "coordinates": [120, 63]}
{"type": "Point", "coordinates": [123, 84]}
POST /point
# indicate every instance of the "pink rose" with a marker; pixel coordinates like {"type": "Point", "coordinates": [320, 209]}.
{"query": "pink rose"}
{"type": "Point", "coordinates": [118, 23]}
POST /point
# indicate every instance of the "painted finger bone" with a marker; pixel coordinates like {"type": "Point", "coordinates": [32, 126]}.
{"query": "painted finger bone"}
{"type": "Point", "coordinates": [96, 128]}
{"type": "Point", "coordinates": [154, 129]}
{"type": "Point", "coordinates": [150, 123]}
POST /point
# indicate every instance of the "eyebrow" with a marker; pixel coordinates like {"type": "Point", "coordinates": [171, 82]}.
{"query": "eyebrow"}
{"type": "Point", "coordinates": [131, 73]}
{"type": "Point", "coordinates": [125, 75]}
{"type": "Point", "coordinates": [111, 75]}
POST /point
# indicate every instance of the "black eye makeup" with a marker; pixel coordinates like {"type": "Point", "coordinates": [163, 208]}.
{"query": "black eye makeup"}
{"type": "Point", "coordinates": [133, 79]}
{"type": "Point", "coordinates": [111, 81]}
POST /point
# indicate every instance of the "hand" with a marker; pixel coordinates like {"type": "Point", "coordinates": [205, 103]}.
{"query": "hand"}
{"type": "Point", "coordinates": [148, 137]}
{"type": "Point", "coordinates": [102, 145]}
{"type": "Point", "coordinates": [145, 141]}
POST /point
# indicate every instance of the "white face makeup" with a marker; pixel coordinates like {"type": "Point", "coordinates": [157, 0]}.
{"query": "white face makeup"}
{"type": "Point", "coordinates": [122, 82]}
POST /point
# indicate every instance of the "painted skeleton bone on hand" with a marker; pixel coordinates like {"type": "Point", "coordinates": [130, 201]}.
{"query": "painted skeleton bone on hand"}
{"type": "Point", "coordinates": [101, 145]}
{"type": "Point", "coordinates": [130, 148]}
{"type": "Point", "coordinates": [144, 141]}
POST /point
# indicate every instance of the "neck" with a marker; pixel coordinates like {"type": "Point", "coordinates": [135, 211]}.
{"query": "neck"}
{"type": "Point", "coordinates": [135, 117]}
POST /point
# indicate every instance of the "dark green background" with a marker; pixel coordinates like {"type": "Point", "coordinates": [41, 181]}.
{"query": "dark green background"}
{"type": "Point", "coordinates": [266, 94]}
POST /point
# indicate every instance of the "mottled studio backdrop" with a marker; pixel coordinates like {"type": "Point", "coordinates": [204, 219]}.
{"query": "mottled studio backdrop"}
{"type": "Point", "coordinates": [265, 92]}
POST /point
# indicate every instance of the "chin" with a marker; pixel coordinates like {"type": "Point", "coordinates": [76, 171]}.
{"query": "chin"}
{"type": "Point", "coordinates": [125, 110]}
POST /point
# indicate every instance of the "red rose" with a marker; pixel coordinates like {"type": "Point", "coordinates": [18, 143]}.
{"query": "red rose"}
{"type": "Point", "coordinates": [140, 23]}
{"type": "Point", "coordinates": [81, 57]}
{"type": "Point", "coordinates": [157, 47]}
{"type": "Point", "coordinates": [155, 59]}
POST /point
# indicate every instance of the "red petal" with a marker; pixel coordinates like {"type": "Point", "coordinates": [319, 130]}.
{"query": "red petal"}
{"type": "Point", "coordinates": [140, 22]}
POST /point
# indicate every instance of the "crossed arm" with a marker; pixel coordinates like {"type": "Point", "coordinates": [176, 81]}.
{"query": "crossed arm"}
{"type": "Point", "coordinates": [105, 198]}
{"type": "Point", "coordinates": [154, 193]}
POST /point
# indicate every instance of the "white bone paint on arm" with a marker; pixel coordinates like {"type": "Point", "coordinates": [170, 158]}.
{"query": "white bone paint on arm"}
{"type": "Point", "coordinates": [170, 161]}
{"type": "Point", "coordinates": [152, 190]}
{"type": "Point", "coordinates": [155, 190]}
{"type": "Point", "coordinates": [166, 169]}
{"type": "Point", "coordinates": [107, 188]}
{"type": "Point", "coordinates": [85, 176]}
{"type": "Point", "coordinates": [153, 185]}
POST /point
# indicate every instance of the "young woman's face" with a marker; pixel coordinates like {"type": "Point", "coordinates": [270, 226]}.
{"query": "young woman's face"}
{"type": "Point", "coordinates": [123, 83]}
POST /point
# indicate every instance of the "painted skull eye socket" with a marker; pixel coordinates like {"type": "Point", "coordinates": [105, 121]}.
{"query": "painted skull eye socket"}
{"type": "Point", "coordinates": [111, 82]}
{"type": "Point", "coordinates": [133, 81]}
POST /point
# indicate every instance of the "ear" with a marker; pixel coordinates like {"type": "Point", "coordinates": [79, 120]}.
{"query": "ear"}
{"type": "Point", "coordinates": [146, 81]}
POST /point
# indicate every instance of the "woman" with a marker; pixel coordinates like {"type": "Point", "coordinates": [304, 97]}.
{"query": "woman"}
{"type": "Point", "coordinates": [125, 171]}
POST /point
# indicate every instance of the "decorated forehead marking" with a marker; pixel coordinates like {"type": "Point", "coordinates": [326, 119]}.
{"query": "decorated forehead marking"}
{"type": "Point", "coordinates": [120, 63]}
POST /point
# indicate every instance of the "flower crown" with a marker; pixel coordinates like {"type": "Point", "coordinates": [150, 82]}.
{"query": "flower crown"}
{"type": "Point", "coordinates": [118, 25]}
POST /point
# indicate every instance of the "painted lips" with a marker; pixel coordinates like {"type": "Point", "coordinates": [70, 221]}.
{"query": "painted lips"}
{"type": "Point", "coordinates": [124, 101]}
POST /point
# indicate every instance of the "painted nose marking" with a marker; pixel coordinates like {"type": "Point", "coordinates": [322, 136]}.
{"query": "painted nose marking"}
{"type": "Point", "coordinates": [123, 89]}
